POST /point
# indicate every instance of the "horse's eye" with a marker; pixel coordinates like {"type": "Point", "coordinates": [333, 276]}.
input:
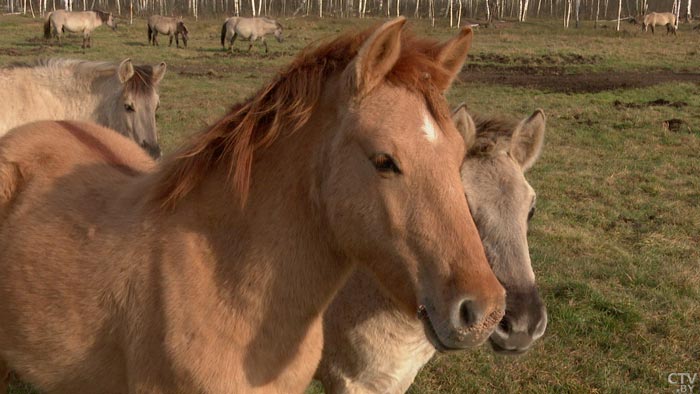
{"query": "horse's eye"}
{"type": "Point", "coordinates": [531, 213]}
{"type": "Point", "coordinates": [385, 164]}
{"type": "Point", "coordinates": [129, 108]}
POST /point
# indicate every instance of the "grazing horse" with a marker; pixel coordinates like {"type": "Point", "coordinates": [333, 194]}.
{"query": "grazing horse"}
{"type": "Point", "coordinates": [249, 29]}
{"type": "Point", "coordinates": [167, 25]}
{"type": "Point", "coordinates": [667, 19]}
{"type": "Point", "coordinates": [210, 272]}
{"type": "Point", "coordinates": [371, 346]}
{"type": "Point", "coordinates": [123, 97]}
{"type": "Point", "coordinates": [59, 21]}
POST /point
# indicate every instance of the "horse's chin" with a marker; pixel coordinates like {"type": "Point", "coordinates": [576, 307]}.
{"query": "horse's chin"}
{"type": "Point", "coordinates": [501, 351]}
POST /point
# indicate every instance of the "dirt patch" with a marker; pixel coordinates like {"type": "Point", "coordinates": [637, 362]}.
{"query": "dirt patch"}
{"type": "Point", "coordinates": [555, 80]}
{"type": "Point", "coordinates": [545, 60]}
{"type": "Point", "coordinates": [654, 103]}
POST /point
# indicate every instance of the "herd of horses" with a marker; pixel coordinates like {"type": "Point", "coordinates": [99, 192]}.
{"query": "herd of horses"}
{"type": "Point", "coordinates": [342, 224]}
{"type": "Point", "coordinates": [251, 29]}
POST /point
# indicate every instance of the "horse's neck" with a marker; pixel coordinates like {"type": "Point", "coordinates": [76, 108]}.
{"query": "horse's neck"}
{"type": "Point", "coordinates": [275, 265]}
{"type": "Point", "coordinates": [76, 97]}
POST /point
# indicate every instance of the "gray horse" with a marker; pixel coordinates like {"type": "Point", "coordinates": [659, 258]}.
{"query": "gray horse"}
{"type": "Point", "coordinates": [123, 97]}
{"type": "Point", "coordinates": [168, 26]}
{"type": "Point", "coordinates": [60, 21]}
{"type": "Point", "coordinates": [250, 29]}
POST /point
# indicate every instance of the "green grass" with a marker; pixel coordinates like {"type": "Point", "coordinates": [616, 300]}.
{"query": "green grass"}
{"type": "Point", "coordinates": [616, 239]}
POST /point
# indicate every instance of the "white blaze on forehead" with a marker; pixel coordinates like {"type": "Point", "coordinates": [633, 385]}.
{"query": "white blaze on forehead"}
{"type": "Point", "coordinates": [429, 127]}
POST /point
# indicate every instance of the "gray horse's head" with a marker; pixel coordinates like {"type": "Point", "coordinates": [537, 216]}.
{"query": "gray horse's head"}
{"type": "Point", "coordinates": [135, 112]}
{"type": "Point", "coordinates": [107, 19]}
{"type": "Point", "coordinates": [278, 32]}
{"type": "Point", "coordinates": [184, 32]}
{"type": "Point", "coordinates": [502, 203]}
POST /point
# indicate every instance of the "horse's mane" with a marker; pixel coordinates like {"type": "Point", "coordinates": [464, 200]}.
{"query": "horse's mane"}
{"type": "Point", "coordinates": [493, 134]}
{"type": "Point", "coordinates": [140, 83]}
{"type": "Point", "coordinates": [103, 15]}
{"type": "Point", "coordinates": [286, 104]}
{"type": "Point", "coordinates": [272, 21]}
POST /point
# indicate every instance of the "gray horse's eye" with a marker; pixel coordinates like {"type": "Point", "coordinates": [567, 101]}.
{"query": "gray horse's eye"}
{"type": "Point", "coordinates": [129, 108]}
{"type": "Point", "coordinates": [531, 213]}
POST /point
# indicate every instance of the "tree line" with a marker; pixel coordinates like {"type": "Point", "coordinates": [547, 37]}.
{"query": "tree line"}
{"type": "Point", "coordinates": [457, 12]}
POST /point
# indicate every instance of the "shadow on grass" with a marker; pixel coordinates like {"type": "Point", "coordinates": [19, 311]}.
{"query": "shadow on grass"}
{"type": "Point", "coordinates": [135, 44]}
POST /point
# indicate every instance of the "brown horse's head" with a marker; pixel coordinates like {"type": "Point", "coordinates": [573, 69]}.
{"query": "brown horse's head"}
{"type": "Point", "coordinates": [278, 32]}
{"type": "Point", "coordinates": [135, 113]}
{"type": "Point", "coordinates": [382, 162]}
{"type": "Point", "coordinates": [184, 32]}
{"type": "Point", "coordinates": [502, 203]}
{"type": "Point", "coordinates": [391, 190]}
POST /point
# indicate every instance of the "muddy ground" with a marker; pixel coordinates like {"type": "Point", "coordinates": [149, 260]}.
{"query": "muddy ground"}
{"type": "Point", "coordinates": [554, 79]}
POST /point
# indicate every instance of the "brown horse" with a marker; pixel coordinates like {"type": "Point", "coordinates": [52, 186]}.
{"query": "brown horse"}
{"type": "Point", "coordinates": [172, 27]}
{"type": "Point", "coordinates": [210, 272]}
{"type": "Point", "coordinates": [370, 346]}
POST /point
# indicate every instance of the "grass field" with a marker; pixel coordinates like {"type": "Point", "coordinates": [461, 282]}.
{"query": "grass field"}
{"type": "Point", "coordinates": [616, 239]}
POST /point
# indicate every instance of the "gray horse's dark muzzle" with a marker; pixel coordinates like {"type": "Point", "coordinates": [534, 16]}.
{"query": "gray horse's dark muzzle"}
{"type": "Point", "coordinates": [152, 150]}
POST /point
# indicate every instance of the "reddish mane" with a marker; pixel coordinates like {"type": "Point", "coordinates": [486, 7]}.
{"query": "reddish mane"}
{"type": "Point", "coordinates": [287, 103]}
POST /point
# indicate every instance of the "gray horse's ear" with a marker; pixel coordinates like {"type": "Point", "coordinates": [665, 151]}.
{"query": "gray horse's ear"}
{"type": "Point", "coordinates": [125, 70]}
{"type": "Point", "coordinates": [528, 138]}
{"type": "Point", "coordinates": [465, 125]}
{"type": "Point", "coordinates": [377, 56]}
{"type": "Point", "coordinates": [453, 53]}
{"type": "Point", "coordinates": [159, 72]}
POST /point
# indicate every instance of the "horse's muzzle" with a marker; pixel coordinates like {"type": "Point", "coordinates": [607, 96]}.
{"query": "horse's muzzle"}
{"type": "Point", "coordinates": [152, 150]}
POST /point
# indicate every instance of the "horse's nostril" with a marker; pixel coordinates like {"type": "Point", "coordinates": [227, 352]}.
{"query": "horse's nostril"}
{"type": "Point", "coordinates": [469, 313]}
{"type": "Point", "coordinates": [504, 325]}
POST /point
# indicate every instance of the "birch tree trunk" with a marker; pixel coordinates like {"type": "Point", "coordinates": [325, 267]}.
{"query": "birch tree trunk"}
{"type": "Point", "coordinates": [597, 13]}
{"type": "Point", "coordinates": [459, 15]}
{"type": "Point", "coordinates": [450, 8]}
{"type": "Point", "coordinates": [252, 5]}
{"type": "Point", "coordinates": [688, 15]}
{"type": "Point", "coordinates": [619, 14]}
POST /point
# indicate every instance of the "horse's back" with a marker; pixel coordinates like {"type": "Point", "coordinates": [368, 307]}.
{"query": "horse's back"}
{"type": "Point", "coordinates": [46, 146]}
{"type": "Point", "coordinates": [57, 184]}
{"type": "Point", "coordinates": [160, 21]}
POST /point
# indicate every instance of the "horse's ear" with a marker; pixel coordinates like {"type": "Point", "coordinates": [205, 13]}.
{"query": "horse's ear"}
{"type": "Point", "coordinates": [377, 56]}
{"type": "Point", "coordinates": [159, 72]}
{"type": "Point", "coordinates": [125, 70]}
{"type": "Point", "coordinates": [528, 138]}
{"type": "Point", "coordinates": [453, 53]}
{"type": "Point", "coordinates": [465, 125]}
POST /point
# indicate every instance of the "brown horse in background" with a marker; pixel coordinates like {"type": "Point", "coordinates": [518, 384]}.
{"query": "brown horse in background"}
{"type": "Point", "coordinates": [172, 27]}
{"type": "Point", "coordinates": [210, 272]}
{"type": "Point", "coordinates": [371, 346]}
